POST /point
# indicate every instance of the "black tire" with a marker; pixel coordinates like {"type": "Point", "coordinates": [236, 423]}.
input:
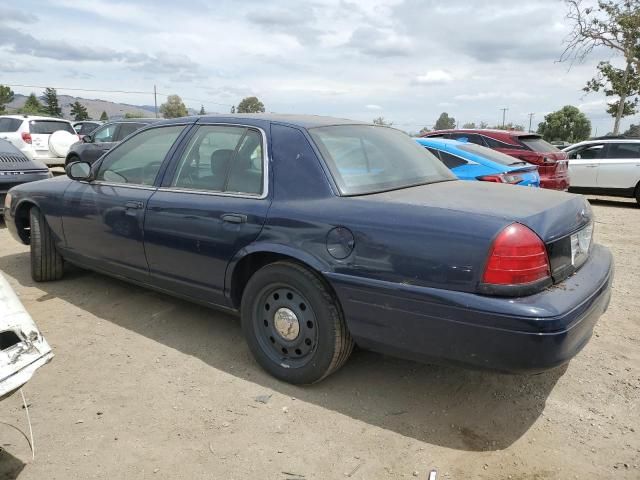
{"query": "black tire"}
{"type": "Point", "coordinates": [323, 342]}
{"type": "Point", "coordinates": [46, 262]}
{"type": "Point", "coordinates": [637, 195]}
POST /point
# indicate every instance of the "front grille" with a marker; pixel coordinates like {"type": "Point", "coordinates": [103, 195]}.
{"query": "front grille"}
{"type": "Point", "coordinates": [10, 158]}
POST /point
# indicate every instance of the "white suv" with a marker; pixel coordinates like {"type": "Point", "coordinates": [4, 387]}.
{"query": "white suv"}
{"type": "Point", "coordinates": [606, 166]}
{"type": "Point", "coordinates": [32, 135]}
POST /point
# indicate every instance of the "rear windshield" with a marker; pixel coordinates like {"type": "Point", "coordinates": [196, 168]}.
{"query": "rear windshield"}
{"type": "Point", "coordinates": [489, 154]}
{"type": "Point", "coordinates": [47, 127]}
{"type": "Point", "coordinates": [9, 124]}
{"type": "Point", "coordinates": [537, 144]}
{"type": "Point", "coordinates": [367, 159]}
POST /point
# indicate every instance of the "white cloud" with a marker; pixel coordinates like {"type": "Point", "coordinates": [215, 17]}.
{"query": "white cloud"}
{"type": "Point", "coordinates": [434, 77]}
{"type": "Point", "coordinates": [372, 106]}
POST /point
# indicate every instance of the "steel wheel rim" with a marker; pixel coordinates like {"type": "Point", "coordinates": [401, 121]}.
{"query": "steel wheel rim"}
{"type": "Point", "coordinates": [285, 326]}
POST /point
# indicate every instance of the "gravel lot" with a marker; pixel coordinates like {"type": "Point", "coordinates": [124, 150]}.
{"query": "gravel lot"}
{"type": "Point", "coordinates": [147, 386]}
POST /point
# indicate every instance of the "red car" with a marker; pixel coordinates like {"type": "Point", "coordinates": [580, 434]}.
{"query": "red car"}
{"type": "Point", "coordinates": [529, 147]}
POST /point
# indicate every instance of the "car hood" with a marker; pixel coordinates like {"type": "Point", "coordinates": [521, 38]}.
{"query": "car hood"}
{"type": "Point", "coordinates": [13, 162]}
{"type": "Point", "coordinates": [551, 214]}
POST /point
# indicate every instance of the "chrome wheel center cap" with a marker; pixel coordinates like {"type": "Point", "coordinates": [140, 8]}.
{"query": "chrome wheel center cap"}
{"type": "Point", "coordinates": [286, 323]}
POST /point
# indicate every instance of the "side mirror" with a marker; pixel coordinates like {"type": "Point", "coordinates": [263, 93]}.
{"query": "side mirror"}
{"type": "Point", "coordinates": [79, 171]}
{"type": "Point", "coordinates": [87, 139]}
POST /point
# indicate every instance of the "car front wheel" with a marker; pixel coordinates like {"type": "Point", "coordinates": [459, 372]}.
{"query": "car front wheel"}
{"type": "Point", "coordinates": [293, 324]}
{"type": "Point", "coordinates": [46, 262]}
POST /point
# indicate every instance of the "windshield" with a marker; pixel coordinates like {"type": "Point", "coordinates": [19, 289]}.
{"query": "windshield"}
{"type": "Point", "coordinates": [537, 144]}
{"type": "Point", "coordinates": [367, 159]}
{"type": "Point", "coordinates": [489, 154]}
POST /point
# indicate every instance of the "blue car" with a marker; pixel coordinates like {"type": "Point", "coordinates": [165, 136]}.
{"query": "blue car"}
{"type": "Point", "coordinates": [475, 162]}
{"type": "Point", "coordinates": [322, 234]}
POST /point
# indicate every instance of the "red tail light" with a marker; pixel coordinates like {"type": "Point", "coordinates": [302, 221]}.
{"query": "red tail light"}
{"type": "Point", "coordinates": [26, 137]}
{"type": "Point", "coordinates": [517, 256]}
{"type": "Point", "coordinates": [501, 178]}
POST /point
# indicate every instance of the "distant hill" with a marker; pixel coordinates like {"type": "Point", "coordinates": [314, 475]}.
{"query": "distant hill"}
{"type": "Point", "coordinates": [95, 107]}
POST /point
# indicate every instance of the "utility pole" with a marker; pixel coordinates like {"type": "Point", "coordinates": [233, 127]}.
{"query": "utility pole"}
{"type": "Point", "coordinates": [504, 115]}
{"type": "Point", "coordinates": [530, 120]}
{"type": "Point", "coordinates": [155, 100]}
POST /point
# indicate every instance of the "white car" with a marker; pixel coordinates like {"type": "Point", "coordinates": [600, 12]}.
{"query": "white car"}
{"type": "Point", "coordinates": [607, 166]}
{"type": "Point", "coordinates": [39, 138]}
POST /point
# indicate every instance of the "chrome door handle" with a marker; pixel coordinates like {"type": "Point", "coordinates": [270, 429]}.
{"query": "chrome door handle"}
{"type": "Point", "coordinates": [234, 218]}
{"type": "Point", "coordinates": [133, 205]}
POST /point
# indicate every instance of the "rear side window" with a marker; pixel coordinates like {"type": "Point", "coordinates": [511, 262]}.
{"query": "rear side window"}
{"type": "Point", "coordinates": [537, 144]}
{"type": "Point", "coordinates": [493, 143]}
{"type": "Point", "coordinates": [624, 150]}
{"type": "Point", "coordinates": [452, 161]}
{"type": "Point", "coordinates": [501, 158]}
{"type": "Point", "coordinates": [470, 137]}
{"type": "Point", "coordinates": [47, 127]}
{"type": "Point", "coordinates": [9, 124]}
{"type": "Point", "coordinates": [222, 159]}
{"type": "Point", "coordinates": [127, 129]}
{"type": "Point", "coordinates": [434, 152]}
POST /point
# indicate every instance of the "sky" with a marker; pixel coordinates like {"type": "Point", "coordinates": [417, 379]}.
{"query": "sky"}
{"type": "Point", "coordinates": [404, 60]}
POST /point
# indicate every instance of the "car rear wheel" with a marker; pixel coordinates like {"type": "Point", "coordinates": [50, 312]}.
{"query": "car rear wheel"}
{"type": "Point", "coordinates": [294, 324]}
{"type": "Point", "coordinates": [46, 262]}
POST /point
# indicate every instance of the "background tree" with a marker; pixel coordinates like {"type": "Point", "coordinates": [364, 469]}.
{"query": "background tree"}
{"type": "Point", "coordinates": [104, 117]}
{"type": "Point", "coordinates": [423, 130]}
{"type": "Point", "coordinates": [6, 96]}
{"type": "Point", "coordinates": [617, 82]}
{"type": "Point", "coordinates": [483, 125]}
{"type": "Point", "coordinates": [382, 122]}
{"type": "Point", "coordinates": [134, 115]}
{"type": "Point", "coordinates": [32, 106]}
{"type": "Point", "coordinates": [469, 125]}
{"type": "Point", "coordinates": [445, 122]}
{"type": "Point", "coordinates": [614, 24]}
{"type": "Point", "coordinates": [173, 107]}
{"type": "Point", "coordinates": [51, 105]}
{"type": "Point", "coordinates": [634, 131]}
{"type": "Point", "coordinates": [202, 112]}
{"type": "Point", "coordinates": [79, 111]}
{"type": "Point", "coordinates": [568, 124]}
{"type": "Point", "coordinates": [250, 105]}
{"type": "Point", "coordinates": [508, 126]}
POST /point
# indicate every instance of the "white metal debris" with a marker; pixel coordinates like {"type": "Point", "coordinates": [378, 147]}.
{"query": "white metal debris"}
{"type": "Point", "coordinates": [28, 351]}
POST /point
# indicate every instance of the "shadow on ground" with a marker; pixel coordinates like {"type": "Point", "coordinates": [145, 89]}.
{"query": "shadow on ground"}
{"type": "Point", "coordinates": [450, 407]}
{"type": "Point", "coordinates": [618, 203]}
{"type": "Point", "coordinates": [10, 466]}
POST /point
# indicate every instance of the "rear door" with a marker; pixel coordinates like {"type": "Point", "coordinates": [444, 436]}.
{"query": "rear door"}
{"type": "Point", "coordinates": [620, 169]}
{"type": "Point", "coordinates": [584, 163]}
{"type": "Point", "coordinates": [213, 203]}
{"type": "Point", "coordinates": [41, 130]}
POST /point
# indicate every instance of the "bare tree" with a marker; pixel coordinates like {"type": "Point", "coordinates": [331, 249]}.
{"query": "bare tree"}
{"type": "Point", "coordinates": [611, 24]}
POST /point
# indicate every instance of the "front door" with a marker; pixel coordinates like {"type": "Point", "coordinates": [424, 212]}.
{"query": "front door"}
{"type": "Point", "coordinates": [103, 219]}
{"type": "Point", "coordinates": [583, 165]}
{"type": "Point", "coordinates": [213, 205]}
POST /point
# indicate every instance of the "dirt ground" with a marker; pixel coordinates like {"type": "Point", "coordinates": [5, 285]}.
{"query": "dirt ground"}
{"type": "Point", "coordinates": [147, 386]}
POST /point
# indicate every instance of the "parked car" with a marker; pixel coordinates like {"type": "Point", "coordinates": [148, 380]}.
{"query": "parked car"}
{"type": "Point", "coordinates": [324, 233]}
{"type": "Point", "coordinates": [85, 127]}
{"type": "Point", "coordinates": [551, 162]}
{"type": "Point", "coordinates": [16, 168]}
{"type": "Point", "coordinates": [607, 166]}
{"type": "Point", "coordinates": [473, 162]}
{"type": "Point", "coordinates": [39, 138]}
{"type": "Point", "coordinates": [561, 144]}
{"type": "Point", "coordinates": [104, 138]}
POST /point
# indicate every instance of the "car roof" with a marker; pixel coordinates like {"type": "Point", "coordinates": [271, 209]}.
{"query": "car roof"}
{"type": "Point", "coordinates": [34, 117]}
{"type": "Point", "coordinates": [495, 131]}
{"type": "Point", "coordinates": [607, 140]}
{"type": "Point", "coordinates": [304, 121]}
{"type": "Point", "coordinates": [436, 141]}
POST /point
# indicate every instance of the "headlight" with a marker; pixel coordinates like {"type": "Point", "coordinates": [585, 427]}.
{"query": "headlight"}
{"type": "Point", "coordinates": [7, 201]}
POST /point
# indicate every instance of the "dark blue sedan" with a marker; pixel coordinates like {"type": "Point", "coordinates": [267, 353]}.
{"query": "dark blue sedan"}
{"type": "Point", "coordinates": [324, 233]}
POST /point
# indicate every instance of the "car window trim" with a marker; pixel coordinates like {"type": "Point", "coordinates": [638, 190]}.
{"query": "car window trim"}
{"type": "Point", "coordinates": [167, 158]}
{"type": "Point", "coordinates": [177, 156]}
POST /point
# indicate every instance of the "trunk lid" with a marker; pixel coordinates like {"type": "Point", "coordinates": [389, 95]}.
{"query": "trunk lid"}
{"type": "Point", "coordinates": [550, 214]}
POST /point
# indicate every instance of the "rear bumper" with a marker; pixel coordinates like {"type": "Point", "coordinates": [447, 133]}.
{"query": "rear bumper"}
{"type": "Point", "coordinates": [520, 335]}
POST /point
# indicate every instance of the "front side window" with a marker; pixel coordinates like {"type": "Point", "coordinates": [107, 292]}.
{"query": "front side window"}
{"type": "Point", "coordinates": [367, 159]}
{"type": "Point", "coordinates": [127, 129]}
{"type": "Point", "coordinates": [590, 152]}
{"type": "Point", "coordinates": [105, 134]}
{"type": "Point", "coordinates": [47, 127]}
{"type": "Point", "coordinates": [138, 160]}
{"type": "Point", "coordinates": [222, 158]}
